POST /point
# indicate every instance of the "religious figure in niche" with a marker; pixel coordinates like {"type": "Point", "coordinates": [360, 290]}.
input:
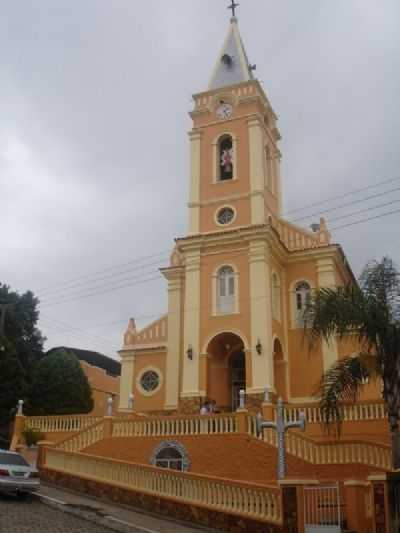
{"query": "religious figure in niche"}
{"type": "Point", "coordinates": [226, 158]}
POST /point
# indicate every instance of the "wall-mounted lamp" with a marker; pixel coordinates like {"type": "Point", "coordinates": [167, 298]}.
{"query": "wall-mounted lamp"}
{"type": "Point", "coordinates": [190, 352]}
{"type": "Point", "coordinates": [259, 347]}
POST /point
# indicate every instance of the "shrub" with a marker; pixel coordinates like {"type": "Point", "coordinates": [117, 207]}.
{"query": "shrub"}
{"type": "Point", "coordinates": [32, 436]}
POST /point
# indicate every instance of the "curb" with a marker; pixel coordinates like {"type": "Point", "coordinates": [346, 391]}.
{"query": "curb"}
{"type": "Point", "coordinates": [93, 515]}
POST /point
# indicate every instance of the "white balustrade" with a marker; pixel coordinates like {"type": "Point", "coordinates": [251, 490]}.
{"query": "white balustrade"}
{"type": "Point", "coordinates": [60, 424]}
{"type": "Point", "coordinates": [239, 498]}
{"type": "Point", "coordinates": [174, 426]}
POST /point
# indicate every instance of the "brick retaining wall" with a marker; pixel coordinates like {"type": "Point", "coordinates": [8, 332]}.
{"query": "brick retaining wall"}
{"type": "Point", "coordinates": [162, 506]}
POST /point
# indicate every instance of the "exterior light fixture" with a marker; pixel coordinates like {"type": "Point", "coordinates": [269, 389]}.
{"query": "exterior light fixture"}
{"type": "Point", "coordinates": [190, 352]}
{"type": "Point", "coordinates": [259, 347]}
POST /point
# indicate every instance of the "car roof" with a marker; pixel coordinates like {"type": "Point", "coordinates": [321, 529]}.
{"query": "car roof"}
{"type": "Point", "coordinates": [9, 451]}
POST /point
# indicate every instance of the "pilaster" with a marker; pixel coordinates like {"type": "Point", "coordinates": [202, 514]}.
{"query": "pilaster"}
{"type": "Point", "coordinates": [261, 317]}
{"type": "Point", "coordinates": [326, 279]}
{"type": "Point", "coordinates": [174, 277]}
{"type": "Point", "coordinates": [191, 335]}
{"type": "Point", "coordinates": [194, 194]}
{"type": "Point", "coordinates": [257, 169]}
{"type": "Point", "coordinates": [279, 183]}
{"type": "Point", "coordinates": [127, 373]}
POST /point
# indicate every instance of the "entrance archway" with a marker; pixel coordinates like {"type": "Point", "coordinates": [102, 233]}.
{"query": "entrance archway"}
{"type": "Point", "coordinates": [237, 371]}
{"type": "Point", "coordinates": [226, 370]}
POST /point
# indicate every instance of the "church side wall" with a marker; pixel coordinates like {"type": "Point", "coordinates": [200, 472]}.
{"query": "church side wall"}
{"type": "Point", "coordinates": [349, 345]}
{"type": "Point", "coordinates": [305, 368]}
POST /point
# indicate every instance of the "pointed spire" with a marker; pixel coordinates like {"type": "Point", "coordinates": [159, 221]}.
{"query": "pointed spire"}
{"type": "Point", "coordinates": [232, 64]}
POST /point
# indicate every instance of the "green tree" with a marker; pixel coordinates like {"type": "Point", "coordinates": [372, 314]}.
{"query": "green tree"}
{"type": "Point", "coordinates": [59, 386]}
{"type": "Point", "coordinates": [21, 345]}
{"type": "Point", "coordinates": [13, 377]}
{"type": "Point", "coordinates": [20, 330]}
{"type": "Point", "coordinates": [371, 310]}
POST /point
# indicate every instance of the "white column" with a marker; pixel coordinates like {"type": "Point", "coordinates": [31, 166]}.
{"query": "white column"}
{"type": "Point", "coordinates": [261, 317]}
{"type": "Point", "coordinates": [194, 193]}
{"type": "Point", "coordinates": [257, 169]}
{"type": "Point", "coordinates": [126, 382]}
{"type": "Point", "coordinates": [326, 279]}
{"type": "Point", "coordinates": [191, 335]}
{"type": "Point", "coordinates": [174, 277]}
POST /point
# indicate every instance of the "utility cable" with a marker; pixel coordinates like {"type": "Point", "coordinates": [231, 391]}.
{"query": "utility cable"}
{"type": "Point", "coordinates": [338, 197]}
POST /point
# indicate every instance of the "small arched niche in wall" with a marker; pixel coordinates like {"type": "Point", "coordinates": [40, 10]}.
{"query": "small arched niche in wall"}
{"type": "Point", "coordinates": [172, 455]}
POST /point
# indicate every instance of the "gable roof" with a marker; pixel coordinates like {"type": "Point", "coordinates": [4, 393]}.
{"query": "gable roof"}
{"type": "Point", "coordinates": [111, 366]}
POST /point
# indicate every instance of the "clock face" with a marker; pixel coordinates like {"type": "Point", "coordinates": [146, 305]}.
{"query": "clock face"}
{"type": "Point", "coordinates": [224, 111]}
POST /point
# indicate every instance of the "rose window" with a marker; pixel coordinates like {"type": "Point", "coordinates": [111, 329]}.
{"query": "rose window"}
{"type": "Point", "coordinates": [150, 381]}
{"type": "Point", "coordinates": [225, 215]}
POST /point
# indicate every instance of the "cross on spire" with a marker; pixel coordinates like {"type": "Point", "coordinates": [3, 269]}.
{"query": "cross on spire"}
{"type": "Point", "coordinates": [233, 7]}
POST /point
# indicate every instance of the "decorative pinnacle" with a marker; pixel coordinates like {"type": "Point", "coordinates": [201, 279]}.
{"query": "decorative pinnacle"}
{"type": "Point", "coordinates": [233, 7]}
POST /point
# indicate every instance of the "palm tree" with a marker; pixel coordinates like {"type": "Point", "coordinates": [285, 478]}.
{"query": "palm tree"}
{"type": "Point", "coordinates": [370, 310]}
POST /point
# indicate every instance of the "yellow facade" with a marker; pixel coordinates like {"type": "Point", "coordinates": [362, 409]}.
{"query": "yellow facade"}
{"type": "Point", "coordinates": [238, 280]}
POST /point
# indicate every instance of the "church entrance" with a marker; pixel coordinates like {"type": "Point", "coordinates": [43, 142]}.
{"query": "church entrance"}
{"type": "Point", "coordinates": [226, 371]}
{"type": "Point", "coordinates": [238, 376]}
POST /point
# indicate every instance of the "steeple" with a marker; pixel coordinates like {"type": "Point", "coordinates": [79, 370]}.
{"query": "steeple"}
{"type": "Point", "coordinates": [232, 65]}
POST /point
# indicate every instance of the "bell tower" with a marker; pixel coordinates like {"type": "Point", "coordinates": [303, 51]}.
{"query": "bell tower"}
{"type": "Point", "coordinates": [235, 161]}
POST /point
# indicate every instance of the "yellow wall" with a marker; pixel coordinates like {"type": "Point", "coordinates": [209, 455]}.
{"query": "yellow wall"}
{"type": "Point", "coordinates": [103, 386]}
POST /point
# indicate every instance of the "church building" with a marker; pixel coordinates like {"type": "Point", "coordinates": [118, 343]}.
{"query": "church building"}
{"type": "Point", "coordinates": [239, 280]}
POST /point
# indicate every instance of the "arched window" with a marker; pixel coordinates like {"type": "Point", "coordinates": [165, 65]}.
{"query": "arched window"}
{"type": "Point", "coordinates": [171, 454]}
{"type": "Point", "coordinates": [279, 370]}
{"type": "Point", "coordinates": [225, 155]}
{"type": "Point", "coordinates": [303, 296]}
{"type": "Point", "coordinates": [276, 297]}
{"type": "Point", "coordinates": [226, 290]}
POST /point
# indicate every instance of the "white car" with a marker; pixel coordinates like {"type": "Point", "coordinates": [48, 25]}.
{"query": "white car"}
{"type": "Point", "coordinates": [16, 474]}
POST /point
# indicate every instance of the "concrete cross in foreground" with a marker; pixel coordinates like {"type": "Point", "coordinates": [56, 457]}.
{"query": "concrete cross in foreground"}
{"type": "Point", "coordinates": [280, 427]}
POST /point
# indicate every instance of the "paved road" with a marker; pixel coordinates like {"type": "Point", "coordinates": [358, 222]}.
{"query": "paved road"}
{"type": "Point", "coordinates": [32, 516]}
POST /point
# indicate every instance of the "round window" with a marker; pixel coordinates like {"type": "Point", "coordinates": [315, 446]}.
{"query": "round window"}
{"type": "Point", "coordinates": [150, 381]}
{"type": "Point", "coordinates": [225, 215]}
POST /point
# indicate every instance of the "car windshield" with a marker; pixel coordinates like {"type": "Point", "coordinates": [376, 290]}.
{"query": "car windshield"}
{"type": "Point", "coordinates": [12, 459]}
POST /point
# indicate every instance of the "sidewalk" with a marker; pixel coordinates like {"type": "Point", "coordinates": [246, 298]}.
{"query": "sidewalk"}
{"type": "Point", "coordinates": [117, 518]}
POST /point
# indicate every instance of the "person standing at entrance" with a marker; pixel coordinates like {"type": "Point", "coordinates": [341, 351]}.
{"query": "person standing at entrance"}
{"type": "Point", "coordinates": [204, 410]}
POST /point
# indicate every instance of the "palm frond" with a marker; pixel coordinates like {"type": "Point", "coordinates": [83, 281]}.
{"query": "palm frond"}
{"type": "Point", "coordinates": [342, 383]}
{"type": "Point", "coordinates": [337, 311]}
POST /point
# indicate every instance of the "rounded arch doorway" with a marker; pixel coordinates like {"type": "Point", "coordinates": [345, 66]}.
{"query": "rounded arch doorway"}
{"type": "Point", "coordinates": [226, 370]}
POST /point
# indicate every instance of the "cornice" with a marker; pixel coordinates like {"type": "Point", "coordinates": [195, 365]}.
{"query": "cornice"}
{"type": "Point", "coordinates": [141, 349]}
{"type": "Point", "coordinates": [231, 197]}
{"type": "Point", "coordinates": [237, 234]}
{"type": "Point", "coordinates": [172, 273]}
{"type": "Point", "coordinates": [322, 252]}
{"type": "Point", "coordinates": [226, 121]}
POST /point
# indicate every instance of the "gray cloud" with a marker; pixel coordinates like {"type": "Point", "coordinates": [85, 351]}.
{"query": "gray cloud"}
{"type": "Point", "coordinates": [94, 156]}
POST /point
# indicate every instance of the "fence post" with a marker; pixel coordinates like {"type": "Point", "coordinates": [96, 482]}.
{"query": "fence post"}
{"type": "Point", "coordinates": [19, 426]}
{"type": "Point", "coordinates": [292, 505]}
{"type": "Point", "coordinates": [108, 419]}
{"type": "Point", "coordinates": [43, 445]}
{"type": "Point", "coordinates": [355, 500]}
{"type": "Point", "coordinates": [241, 414]}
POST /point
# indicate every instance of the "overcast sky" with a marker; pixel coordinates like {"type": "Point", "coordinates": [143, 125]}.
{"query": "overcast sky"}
{"type": "Point", "coordinates": [94, 155]}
